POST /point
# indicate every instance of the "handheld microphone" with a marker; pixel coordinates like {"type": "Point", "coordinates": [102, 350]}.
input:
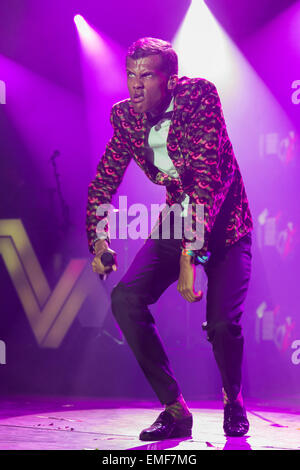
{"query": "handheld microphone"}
{"type": "Point", "coordinates": [108, 258]}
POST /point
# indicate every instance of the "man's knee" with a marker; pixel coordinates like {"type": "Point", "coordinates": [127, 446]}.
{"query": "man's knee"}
{"type": "Point", "coordinates": [123, 299]}
{"type": "Point", "coordinates": [231, 329]}
{"type": "Point", "coordinates": [118, 298]}
{"type": "Point", "coordinates": [129, 305]}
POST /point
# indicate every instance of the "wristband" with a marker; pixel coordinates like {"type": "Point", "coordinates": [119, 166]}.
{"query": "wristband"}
{"type": "Point", "coordinates": [196, 259]}
{"type": "Point", "coordinates": [187, 252]}
{"type": "Point", "coordinates": [203, 259]}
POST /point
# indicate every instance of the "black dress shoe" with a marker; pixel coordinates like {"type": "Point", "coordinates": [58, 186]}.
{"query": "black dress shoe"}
{"type": "Point", "coordinates": [167, 427]}
{"type": "Point", "coordinates": [235, 420]}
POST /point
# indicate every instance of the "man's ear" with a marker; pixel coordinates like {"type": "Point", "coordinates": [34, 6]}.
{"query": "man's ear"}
{"type": "Point", "coordinates": [172, 82]}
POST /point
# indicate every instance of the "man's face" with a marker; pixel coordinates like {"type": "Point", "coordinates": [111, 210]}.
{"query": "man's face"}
{"type": "Point", "coordinates": [148, 85]}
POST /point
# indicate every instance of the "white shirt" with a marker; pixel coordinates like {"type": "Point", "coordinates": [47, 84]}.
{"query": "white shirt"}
{"type": "Point", "coordinates": [159, 156]}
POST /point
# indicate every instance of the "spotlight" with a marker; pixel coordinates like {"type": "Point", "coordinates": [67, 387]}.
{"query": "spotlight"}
{"type": "Point", "coordinates": [79, 20]}
{"type": "Point", "coordinates": [87, 34]}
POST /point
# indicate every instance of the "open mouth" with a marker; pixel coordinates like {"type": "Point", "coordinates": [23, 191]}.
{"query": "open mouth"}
{"type": "Point", "coordinates": [138, 99]}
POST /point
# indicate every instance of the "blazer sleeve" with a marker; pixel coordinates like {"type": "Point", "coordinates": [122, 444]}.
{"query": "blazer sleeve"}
{"type": "Point", "coordinates": [210, 165]}
{"type": "Point", "coordinates": [109, 175]}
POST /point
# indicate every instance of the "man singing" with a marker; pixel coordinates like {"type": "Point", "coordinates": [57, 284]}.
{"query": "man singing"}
{"type": "Point", "coordinates": [174, 129]}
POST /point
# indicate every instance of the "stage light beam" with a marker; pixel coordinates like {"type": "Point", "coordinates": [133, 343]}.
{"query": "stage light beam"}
{"type": "Point", "coordinates": [91, 41]}
{"type": "Point", "coordinates": [104, 78]}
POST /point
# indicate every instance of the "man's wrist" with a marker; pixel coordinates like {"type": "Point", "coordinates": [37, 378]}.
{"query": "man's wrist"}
{"type": "Point", "coordinates": [187, 252]}
{"type": "Point", "coordinates": [187, 256]}
{"type": "Point", "coordinates": [190, 256]}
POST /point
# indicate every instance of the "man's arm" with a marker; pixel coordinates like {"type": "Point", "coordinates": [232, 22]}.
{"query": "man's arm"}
{"type": "Point", "coordinates": [211, 164]}
{"type": "Point", "coordinates": [110, 171]}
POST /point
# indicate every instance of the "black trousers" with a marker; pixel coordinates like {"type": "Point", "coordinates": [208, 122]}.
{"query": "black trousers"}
{"type": "Point", "coordinates": [153, 270]}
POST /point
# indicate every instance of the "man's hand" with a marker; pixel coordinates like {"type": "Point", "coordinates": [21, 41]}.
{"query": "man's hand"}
{"type": "Point", "coordinates": [101, 246]}
{"type": "Point", "coordinates": [186, 280]}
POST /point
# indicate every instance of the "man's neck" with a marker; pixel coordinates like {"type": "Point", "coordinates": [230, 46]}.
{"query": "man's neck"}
{"type": "Point", "coordinates": [161, 109]}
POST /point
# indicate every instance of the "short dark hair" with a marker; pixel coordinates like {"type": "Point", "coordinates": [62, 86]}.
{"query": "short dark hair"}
{"type": "Point", "coordinates": [145, 47]}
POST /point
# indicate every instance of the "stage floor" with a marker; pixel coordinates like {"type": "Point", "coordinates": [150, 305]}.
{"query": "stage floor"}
{"type": "Point", "coordinates": [40, 423]}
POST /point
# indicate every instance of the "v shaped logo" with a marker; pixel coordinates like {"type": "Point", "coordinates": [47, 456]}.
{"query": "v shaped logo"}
{"type": "Point", "coordinates": [50, 314]}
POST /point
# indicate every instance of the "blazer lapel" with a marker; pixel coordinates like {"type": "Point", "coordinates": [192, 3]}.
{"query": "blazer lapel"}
{"type": "Point", "coordinates": [139, 130]}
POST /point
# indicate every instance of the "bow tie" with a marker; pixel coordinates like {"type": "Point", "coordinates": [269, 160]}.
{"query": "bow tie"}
{"type": "Point", "coordinates": [161, 117]}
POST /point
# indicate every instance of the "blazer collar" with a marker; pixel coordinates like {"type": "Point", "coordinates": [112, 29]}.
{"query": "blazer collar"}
{"type": "Point", "coordinates": [180, 104]}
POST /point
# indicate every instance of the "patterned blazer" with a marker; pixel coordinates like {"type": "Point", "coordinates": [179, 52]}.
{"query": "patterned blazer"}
{"type": "Point", "coordinates": [198, 145]}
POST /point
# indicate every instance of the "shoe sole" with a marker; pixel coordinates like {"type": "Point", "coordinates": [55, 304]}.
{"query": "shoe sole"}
{"type": "Point", "coordinates": [177, 432]}
{"type": "Point", "coordinates": [181, 429]}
